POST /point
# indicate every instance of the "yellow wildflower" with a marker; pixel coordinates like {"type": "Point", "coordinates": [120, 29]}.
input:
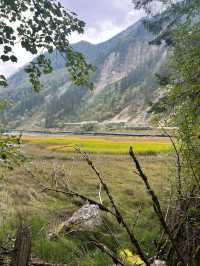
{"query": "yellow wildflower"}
{"type": "Point", "coordinates": [130, 259]}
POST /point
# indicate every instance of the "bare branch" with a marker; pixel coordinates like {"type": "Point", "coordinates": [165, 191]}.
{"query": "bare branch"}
{"type": "Point", "coordinates": [104, 185]}
{"type": "Point", "coordinates": [100, 188]}
{"type": "Point", "coordinates": [118, 214]}
{"type": "Point", "coordinates": [76, 194]}
{"type": "Point", "coordinates": [178, 163]}
{"type": "Point", "coordinates": [108, 252]}
{"type": "Point", "coordinates": [156, 205]}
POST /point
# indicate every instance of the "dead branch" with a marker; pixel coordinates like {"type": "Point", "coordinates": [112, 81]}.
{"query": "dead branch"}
{"type": "Point", "coordinates": [156, 205]}
{"type": "Point", "coordinates": [100, 188]}
{"type": "Point", "coordinates": [109, 230]}
{"type": "Point", "coordinates": [76, 194]}
{"type": "Point", "coordinates": [104, 185]}
{"type": "Point", "coordinates": [160, 244]}
{"type": "Point", "coordinates": [137, 216]}
{"type": "Point", "coordinates": [108, 252]}
{"type": "Point", "coordinates": [178, 163]}
{"type": "Point", "coordinates": [118, 214]}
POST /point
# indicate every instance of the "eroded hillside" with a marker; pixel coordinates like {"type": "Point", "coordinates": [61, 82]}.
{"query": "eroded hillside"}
{"type": "Point", "coordinates": [125, 86]}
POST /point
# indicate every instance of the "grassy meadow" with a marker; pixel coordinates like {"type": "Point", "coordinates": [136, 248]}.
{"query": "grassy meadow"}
{"type": "Point", "coordinates": [53, 162]}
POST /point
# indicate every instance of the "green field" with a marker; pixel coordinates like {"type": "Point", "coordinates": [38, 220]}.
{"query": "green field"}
{"type": "Point", "coordinates": [51, 159]}
{"type": "Point", "coordinates": [114, 145]}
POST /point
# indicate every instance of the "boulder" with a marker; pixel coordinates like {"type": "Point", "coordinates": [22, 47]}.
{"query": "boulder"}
{"type": "Point", "coordinates": [159, 263]}
{"type": "Point", "coordinates": [88, 217]}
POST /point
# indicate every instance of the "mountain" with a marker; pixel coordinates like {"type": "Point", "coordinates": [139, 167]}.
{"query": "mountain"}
{"type": "Point", "coordinates": [125, 86]}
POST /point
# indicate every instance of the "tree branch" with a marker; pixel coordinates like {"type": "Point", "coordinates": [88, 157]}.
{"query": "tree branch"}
{"type": "Point", "coordinates": [108, 252]}
{"type": "Point", "coordinates": [76, 194]}
{"type": "Point", "coordinates": [156, 205]}
{"type": "Point", "coordinates": [118, 214]}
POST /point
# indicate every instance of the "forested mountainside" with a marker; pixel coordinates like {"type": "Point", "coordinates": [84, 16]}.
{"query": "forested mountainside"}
{"type": "Point", "coordinates": [125, 85]}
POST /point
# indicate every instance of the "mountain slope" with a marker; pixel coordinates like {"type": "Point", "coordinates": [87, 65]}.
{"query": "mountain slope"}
{"type": "Point", "coordinates": [124, 81]}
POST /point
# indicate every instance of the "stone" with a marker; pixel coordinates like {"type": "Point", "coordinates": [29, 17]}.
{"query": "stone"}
{"type": "Point", "coordinates": [159, 263]}
{"type": "Point", "coordinates": [88, 217]}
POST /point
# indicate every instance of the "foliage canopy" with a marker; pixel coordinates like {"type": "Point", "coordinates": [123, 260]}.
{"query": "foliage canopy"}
{"type": "Point", "coordinates": [168, 17]}
{"type": "Point", "coordinates": [179, 26]}
{"type": "Point", "coordinates": [41, 26]}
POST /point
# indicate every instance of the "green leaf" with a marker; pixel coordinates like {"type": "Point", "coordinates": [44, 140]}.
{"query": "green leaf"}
{"type": "Point", "coordinates": [7, 49]}
{"type": "Point", "coordinates": [13, 58]}
{"type": "Point", "coordinates": [2, 77]}
{"type": "Point", "coordinates": [5, 58]}
{"type": "Point", "coordinates": [3, 83]}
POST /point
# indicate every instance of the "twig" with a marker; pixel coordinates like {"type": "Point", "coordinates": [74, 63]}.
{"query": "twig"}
{"type": "Point", "coordinates": [137, 216]}
{"type": "Point", "coordinates": [156, 205]}
{"type": "Point", "coordinates": [163, 232]}
{"type": "Point", "coordinates": [188, 158]}
{"type": "Point", "coordinates": [104, 185]}
{"type": "Point", "coordinates": [179, 225]}
{"type": "Point", "coordinates": [100, 188]}
{"type": "Point", "coordinates": [118, 245]}
{"type": "Point", "coordinates": [34, 177]}
{"type": "Point", "coordinates": [108, 252]}
{"type": "Point", "coordinates": [178, 163]}
{"type": "Point", "coordinates": [76, 194]}
{"type": "Point", "coordinates": [118, 214]}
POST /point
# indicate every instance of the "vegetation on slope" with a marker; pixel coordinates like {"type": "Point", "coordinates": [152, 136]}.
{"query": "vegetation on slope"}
{"type": "Point", "coordinates": [131, 82]}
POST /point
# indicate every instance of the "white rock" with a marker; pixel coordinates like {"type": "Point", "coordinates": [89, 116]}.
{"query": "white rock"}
{"type": "Point", "coordinates": [87, 217]}
{"type": "Point", "coordinates": [159, 263]}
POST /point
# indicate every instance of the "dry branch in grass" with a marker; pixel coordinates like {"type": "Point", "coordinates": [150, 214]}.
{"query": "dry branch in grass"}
{"type": "Point", "coordinates": [115, 210]}
{"type": "Point", "coordinates": [156, 206]}
{"type": "Point", "coordinates": [183, 211]}
{"type": "Point", "coordinates": [76, 194]}
{"type": "Point", "coordinates": [178, 163]}
{"type": "Point", "coordinates": [118, 215]}
{"type": "Point", "coordinates": [103, 208]}
{"type": "Point", "coordinates": [108, 252]}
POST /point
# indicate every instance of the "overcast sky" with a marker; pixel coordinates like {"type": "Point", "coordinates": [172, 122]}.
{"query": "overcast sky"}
{"type": "Point", "coordinates": [104, 19]}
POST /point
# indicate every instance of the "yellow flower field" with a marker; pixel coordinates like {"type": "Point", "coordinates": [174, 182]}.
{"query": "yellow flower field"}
{"type": "Point", "coordinates": [112, 145]}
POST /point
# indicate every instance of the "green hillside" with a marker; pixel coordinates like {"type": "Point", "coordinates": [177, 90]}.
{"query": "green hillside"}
{"type": "Point", "coordinates": [125, 85]}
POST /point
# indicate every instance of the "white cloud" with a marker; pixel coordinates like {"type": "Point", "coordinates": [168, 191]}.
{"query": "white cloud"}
{"type": "Point", "coordinates": [108, 30]}
{"type": "Point", "coordinates": [118, 16]}
{"type": "Point", "coordinates": [8, 68]}
{"type": "Point", "coordinates": [104, 19]}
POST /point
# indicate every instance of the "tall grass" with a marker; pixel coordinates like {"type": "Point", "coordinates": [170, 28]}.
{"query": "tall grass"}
{"type": "Point", "coordinates": [44, 212]}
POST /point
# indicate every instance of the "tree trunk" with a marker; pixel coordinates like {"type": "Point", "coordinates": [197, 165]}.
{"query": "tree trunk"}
{"type": "Point", "coordinates": [22, 249]}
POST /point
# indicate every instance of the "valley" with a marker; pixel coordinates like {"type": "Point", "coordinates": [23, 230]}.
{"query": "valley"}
{"type": "Point", "coordinates": [61, 124]}
{"type": "Point", "coordinates": [99, 133]}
